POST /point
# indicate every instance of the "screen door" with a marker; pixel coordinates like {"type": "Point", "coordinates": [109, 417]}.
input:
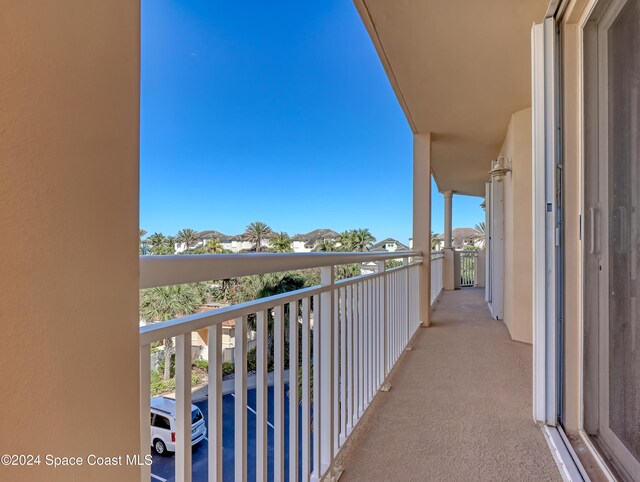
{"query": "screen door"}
{"type": "Point", "coordinates": [618, 44]}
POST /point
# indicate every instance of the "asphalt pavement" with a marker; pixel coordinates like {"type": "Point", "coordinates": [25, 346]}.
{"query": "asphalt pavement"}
{"type": "Point", "coordinates": [163, 467]}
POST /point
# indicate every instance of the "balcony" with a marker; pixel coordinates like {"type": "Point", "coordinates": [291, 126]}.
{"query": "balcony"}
{"type": "Point", "coordinates": [378, 398]}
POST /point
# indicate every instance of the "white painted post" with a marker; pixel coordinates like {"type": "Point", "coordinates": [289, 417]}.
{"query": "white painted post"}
{"type": "Point", "coordinates": [336, 371]}
{"type": "Point", "coordinates": [351, 360]}
{"type": "Point", "coordinates": [317, 383]}
{"type": "Point", "coordinates": [293, 392]}
{"type": "Point", "coordinates": [343, 365]}
{"type": "Point", "coordinates": [215, 403]}
{"type": "Point", "coordinates": [278, 394]}
{"type": "Point", "coordinates": [360, 339]}
{"type": "Point", "coordinates": [407, 301]}
{"type": "Point", "coordinates": [326, 342]}
{"type": "Point", "coordinates": [306, 369]}
{"type": "Point", "coordinates": [145, 408]}
{"type": "Point", "coordinates": [261, 395]}
{"type": "Point", "coordinates": [240, 408]}
{"type": "Point", "coordinates": [183, 467]}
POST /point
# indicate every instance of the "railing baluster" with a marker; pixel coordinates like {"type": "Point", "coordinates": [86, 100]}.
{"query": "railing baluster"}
{"type": "Point", "coordinates": [215, 403]}
{"type": "Point", "coordinates": [317, 377]}
{"type": "Point", "coordinates": [306, 368]}
{"type": "Point", "coordinates": [261, 395]}
{"type": "Point", "coordinates": [145, 409]}
{"type": "Point", "coordinates": [336, 372]}
{"type": "Point", "coordinates": [365, 344]}
{"type": "Point", "coordinates": [183, 467]}
{"type": "Point", "coordinates": [369, 341]}
{"type": "Point", "coordinates": [343, 365]}
{"type": "Point", "coordinates": [350, 360]}
{"type": "Point", "coordinates": [240, 409]}
{"type": "Point", "coordinates": [278, 393]}
{"type": "Point", "coordinates": [293, 392]}
{"type": "Point", "coordinates": [361, 362]}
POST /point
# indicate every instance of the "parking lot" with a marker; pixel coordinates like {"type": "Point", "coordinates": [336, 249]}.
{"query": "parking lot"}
{"type": "Point", "coordinates": [162, 468]}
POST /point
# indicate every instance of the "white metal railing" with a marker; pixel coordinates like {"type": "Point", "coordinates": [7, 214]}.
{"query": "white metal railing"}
{"type": "Point", "coordinates": [437, 262]}
{"type": "Point", "coordinates": [351, 331]}
{"type": "Point", "coordinates": [468, 268]}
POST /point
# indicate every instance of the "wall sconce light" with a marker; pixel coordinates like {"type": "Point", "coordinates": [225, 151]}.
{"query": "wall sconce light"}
{"type": "Point", "coordinates": [499, 168]}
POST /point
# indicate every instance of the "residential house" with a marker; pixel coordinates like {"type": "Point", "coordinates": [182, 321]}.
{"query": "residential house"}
{"type": "Point", "coordinates": [305, 243]}
{"type": "Point", "coordinates": [464, 238]}
{"type": "Point", "coordinates": [389, 245]}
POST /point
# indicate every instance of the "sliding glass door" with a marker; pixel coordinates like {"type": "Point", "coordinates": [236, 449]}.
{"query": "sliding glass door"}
{"type": "Point", "coordinates": [612, 264]}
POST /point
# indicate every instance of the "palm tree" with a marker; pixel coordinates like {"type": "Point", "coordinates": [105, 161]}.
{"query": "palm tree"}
{"type": "Point", "coordinates": [435, 240]}
{"type": "Point", "coordinates": [214, 246]}
{"type": "Point", "coordinates": [165, 303]}
{"type": "Point", "coordinates": [256, 232]}
{"type": "Point", "coordinates": [188, 237]}
{"type": "Point", "coordinates": [347, 240]}
{"type": "Point", "coordinates": [281, 243]}
{"type": "Point", "coordinates": [325, 245]}
{"type": "Point", "coordinates": [363, 239]}
{"type": "Point", "coordinates": [481, 235]}
{"type": "Point", "coordinates": [160, 244]}
{"type": "Point", "coordinates": [143, 244]}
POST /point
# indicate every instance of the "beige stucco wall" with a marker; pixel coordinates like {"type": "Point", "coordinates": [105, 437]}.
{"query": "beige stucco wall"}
{"type": "Point", "coordinates": [69, 116]}
{"type": "Point", "coordinates": [518, 228]}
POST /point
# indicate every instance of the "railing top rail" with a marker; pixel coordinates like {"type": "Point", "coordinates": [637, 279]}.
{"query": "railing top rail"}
{"type": "Point", "coordinates": [470, 251]}
{"type": "Point", "coordinates": [180, 269]}
{"type": "Point", "coordinates": [167, 329]}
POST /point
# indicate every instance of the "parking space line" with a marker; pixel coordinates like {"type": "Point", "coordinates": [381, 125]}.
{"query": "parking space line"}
{"type": "Point", "coordinates": [255, 413]}
{"type": "Point", "coordinates": [159, 478]}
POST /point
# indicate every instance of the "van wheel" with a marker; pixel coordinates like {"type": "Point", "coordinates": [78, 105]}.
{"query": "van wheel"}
{"type": "Point", "coordinates": [159, 447]}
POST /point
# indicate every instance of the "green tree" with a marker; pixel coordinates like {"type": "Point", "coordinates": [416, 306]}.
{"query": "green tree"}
{"type": "Point", "coordinates": [188, 237]}
{"type": "Point", "coordinates": [281, 243]}
{"type": "Point", "coordinates": [362, 240]}
{"type": "Point", "coordinates": [326, 246]}
{"type": "Point", "coordinates": [347, 240]}
{"type": "Point", "coordinates": [144, 248]}
{"type": "Point", "coordinates": [166, 303]}
{"type": "Point", "coordinates": [435, 240]}
{"type": "Point", "coordinates": [256, 232]}
{"type": "Point", "coordinates": [480, 235]}
{"type": "Point", "coordinates": [214, 246]}
{"type": "Point", "coordinates": [160, 244]}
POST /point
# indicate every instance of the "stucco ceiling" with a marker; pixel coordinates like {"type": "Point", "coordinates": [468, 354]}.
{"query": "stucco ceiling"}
{"type": "Point", "coordinates": [459, 69]}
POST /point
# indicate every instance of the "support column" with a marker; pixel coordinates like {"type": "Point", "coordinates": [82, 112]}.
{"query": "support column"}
{"type": "Point", "coordinates": [448, 265]}
{"type": "Point", "coordinates": [448, 209]}
{"type": "Point", "coordinates": [422, 220]}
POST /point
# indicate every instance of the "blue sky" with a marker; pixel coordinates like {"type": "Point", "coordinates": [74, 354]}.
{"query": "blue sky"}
{"type": "Point", "coordinates": [272, 111]}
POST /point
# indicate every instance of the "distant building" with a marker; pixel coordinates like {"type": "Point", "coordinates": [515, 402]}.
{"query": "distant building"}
{"type": "Point", "coordinates": [389, 245]}
{"type": "Point", "coordinates": [465, 238]}
{"type": "Point", "coordinates": [305, 243]}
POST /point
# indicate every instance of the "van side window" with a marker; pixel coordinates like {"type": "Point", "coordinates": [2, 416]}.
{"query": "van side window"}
{"type": "Point", "coordinates": [161, 422]}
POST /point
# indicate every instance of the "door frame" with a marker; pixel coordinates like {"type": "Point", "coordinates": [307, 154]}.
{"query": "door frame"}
{"type": "Point", "coordinates": [547, 230]}
{"type": "Point", "coordinates": [594, 146]}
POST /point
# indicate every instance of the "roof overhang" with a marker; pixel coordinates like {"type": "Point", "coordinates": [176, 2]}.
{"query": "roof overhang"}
{"type": "Point", "coordinates": [459, 70]}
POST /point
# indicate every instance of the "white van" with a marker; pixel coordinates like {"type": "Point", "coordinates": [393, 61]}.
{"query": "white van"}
{"type": "Point", "coordinates": [163, 425]}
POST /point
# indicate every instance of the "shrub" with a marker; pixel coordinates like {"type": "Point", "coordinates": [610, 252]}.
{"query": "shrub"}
{"type": "Point", "coordinates": [228, 368]}
{"type": "Point", "coordinates": [251, 360]}
{"type": "Point", "coordinates": [202, 364]}
{"type": "Point", "coordinates": [160, 386]}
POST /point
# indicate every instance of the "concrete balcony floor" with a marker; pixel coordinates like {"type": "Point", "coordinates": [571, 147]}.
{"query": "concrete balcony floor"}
{"type": "Point", "coordinates": [459, 408]}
